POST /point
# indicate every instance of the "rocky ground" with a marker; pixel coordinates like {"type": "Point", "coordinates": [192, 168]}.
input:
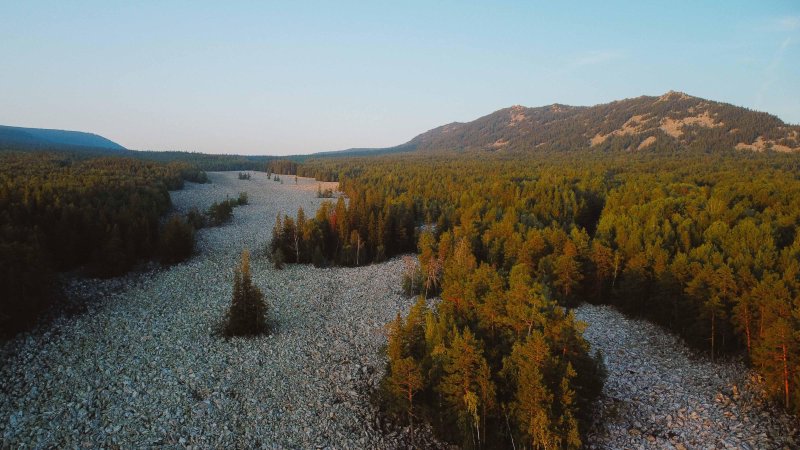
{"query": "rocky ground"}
{"type": "Point", "coordinates": [661, 395]}
{"type": "Point", "coordinates": [144, 366]}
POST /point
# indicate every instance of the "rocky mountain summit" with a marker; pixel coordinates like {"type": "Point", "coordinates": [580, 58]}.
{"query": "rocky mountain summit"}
{"type": "Point", "coordinates": [670, 122]}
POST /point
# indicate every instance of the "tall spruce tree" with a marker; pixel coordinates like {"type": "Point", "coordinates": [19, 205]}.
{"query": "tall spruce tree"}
{"type": "Point", "coordinates": [248, 312]}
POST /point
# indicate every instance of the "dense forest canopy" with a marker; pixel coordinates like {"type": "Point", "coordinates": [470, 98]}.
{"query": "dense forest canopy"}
{"type": "Point", "coordinates": [201, 161]}
{"type": "Point", "coordinates": [705, 244]}
{"type": "Point", "coordinates": [59, 212]}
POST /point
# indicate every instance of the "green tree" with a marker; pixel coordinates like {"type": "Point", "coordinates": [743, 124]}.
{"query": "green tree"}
{"type": "Point", "coordinates": [406, 380]}
{"type": "Point", "coordinates": [567, 271]}
{"type": "Point", "coordinates": [247, 315]}
{"type": "Point", "coordinates": [525, 302]}
{"type": "Point", "coordinates": [532, 400]}
{"type": "Point", "coordinates": [465, 385]}
{"type": "Point", "coordinates": [776, 352]}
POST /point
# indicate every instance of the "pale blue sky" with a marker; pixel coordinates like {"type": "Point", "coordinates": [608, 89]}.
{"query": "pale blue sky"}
{"type": "Point", "coordinates": [298, 77]}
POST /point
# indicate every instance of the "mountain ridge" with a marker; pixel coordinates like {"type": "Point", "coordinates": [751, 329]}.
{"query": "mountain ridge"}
{"type": "Point", "coordinates": [46, 137]}
{"type": "Point", "coordinates": [671, 121]}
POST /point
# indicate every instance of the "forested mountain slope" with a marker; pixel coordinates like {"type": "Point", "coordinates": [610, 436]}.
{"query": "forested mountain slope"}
{"type": "Point", "coordinates": [82, 147]}
{"type": "Point", "coordinates": [671, 122]}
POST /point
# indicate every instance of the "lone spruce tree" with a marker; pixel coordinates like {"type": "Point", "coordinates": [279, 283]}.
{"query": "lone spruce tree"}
{"type": "Point", "coordinates": [248, 313]}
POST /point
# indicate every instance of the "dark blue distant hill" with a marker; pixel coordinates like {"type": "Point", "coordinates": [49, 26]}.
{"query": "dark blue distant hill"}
{"type": "Point", "coordinates": [39, 137]}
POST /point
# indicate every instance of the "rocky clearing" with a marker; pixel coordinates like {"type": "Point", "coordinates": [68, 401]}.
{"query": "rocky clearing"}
{"type": "Point", "coordinates": [144, 366]}
{"type": "Point", "coordinates": [661, 395]}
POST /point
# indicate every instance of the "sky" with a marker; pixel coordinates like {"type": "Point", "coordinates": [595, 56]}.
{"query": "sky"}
{"type": "Point", "coordinates": [292, 77]}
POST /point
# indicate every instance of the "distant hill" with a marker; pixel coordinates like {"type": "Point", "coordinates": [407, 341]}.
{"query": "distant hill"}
{"type": "Point", "coordinates": [671, 122]}
{"type": "Point", "coordinates": [668, 123]}
{"type": "Point", "coordinates": [44, 138]}
{"type": "Point", "coordinates": [88, 145]}
{"type": "Point", "coordinates": [353, 152]}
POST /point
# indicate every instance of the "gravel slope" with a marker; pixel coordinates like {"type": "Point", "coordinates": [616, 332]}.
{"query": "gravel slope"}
{"type": "Point", "coordinates": [661, 395]}
{"type": "Point", "coordinates": [144, 367]}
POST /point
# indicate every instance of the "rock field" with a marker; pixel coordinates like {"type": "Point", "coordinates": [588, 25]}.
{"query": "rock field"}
{"type": "Point", "coordinates": [661, 395]}
{"type": "Point", "coordinates": [144, 366]}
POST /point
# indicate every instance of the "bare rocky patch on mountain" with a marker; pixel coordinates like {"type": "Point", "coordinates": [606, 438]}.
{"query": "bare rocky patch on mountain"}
{"type": "Point", "coordinates": [674, 121]}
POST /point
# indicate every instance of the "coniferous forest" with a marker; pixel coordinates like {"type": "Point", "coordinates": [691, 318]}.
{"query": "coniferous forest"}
{"type": "Point", "coordinates": [704, 244]}
{"type": "Point", "coordinates": [59, 212]}
{"type": "Point", "coordinates": [442, 225]}
{"type": "Point", "coordinates": [490, 355]}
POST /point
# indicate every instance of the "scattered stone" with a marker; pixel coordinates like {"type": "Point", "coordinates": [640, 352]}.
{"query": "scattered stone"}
{"type": "Point", "coordinates": [660, 394]}
{"type": "Point", "coordinates": [145, 366]}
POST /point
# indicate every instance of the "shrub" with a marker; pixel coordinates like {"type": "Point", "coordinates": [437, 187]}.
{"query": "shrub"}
{"type": "Point", "coordinates": [247, 315]}
{"type": "Point", "coordinates": [196, 219]}
{"type": "Point", "coordinates": [327, 193]}
{"type": "Point", "coordinates": [220, 213]}
{"type": "Point", "coordinates": [242, 200]}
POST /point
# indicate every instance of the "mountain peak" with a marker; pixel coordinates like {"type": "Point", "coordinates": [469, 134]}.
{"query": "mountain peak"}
{"type": "Point", "coordinates": [675, 95]}
{"type": "Point", "coordinates": [674, 121]}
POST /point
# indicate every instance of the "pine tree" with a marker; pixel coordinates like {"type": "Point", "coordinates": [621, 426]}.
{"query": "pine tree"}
{"type": "Point", "coordinates": [567, 422]}
{"type": "Point", "coordinates": [465, 385]}
{"type": "Point", "coordinates": [406, 380]}
{"type": "Point", "coordinates": [778, 348]}
{"type": "Point", "coordinates": [277, 235]}
{"type": "Point", "coordinates": [291, 240]}
{"type": "Point", "coordinates": [458, 271]}
{"type": "Point", "coordinates": [567, 271]}
{"type": "Point", "coordinates": [602, 259]}
{"type": "Point", "coordinates": [247, 315]}
{"type": "Point", "coordinates": [525, 302]}
{"type": "Point", "coordinates": [433, 275]}
{"type": "Point", "coordinates": [300, 234]}
{"type": "Point", "coordinates": [532, 400]}
{"type": "Point", "coordinates": [112, 259]}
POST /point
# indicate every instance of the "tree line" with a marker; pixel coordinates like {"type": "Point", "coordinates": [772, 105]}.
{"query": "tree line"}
{"type": "Point", "coordinates": [367, 230]}
{"type": "Point", "coordinates": [59, 212]}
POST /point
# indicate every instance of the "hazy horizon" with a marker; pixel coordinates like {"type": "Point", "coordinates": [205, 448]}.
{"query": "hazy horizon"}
{"type": "Point", "coordinates": [284, 79]}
